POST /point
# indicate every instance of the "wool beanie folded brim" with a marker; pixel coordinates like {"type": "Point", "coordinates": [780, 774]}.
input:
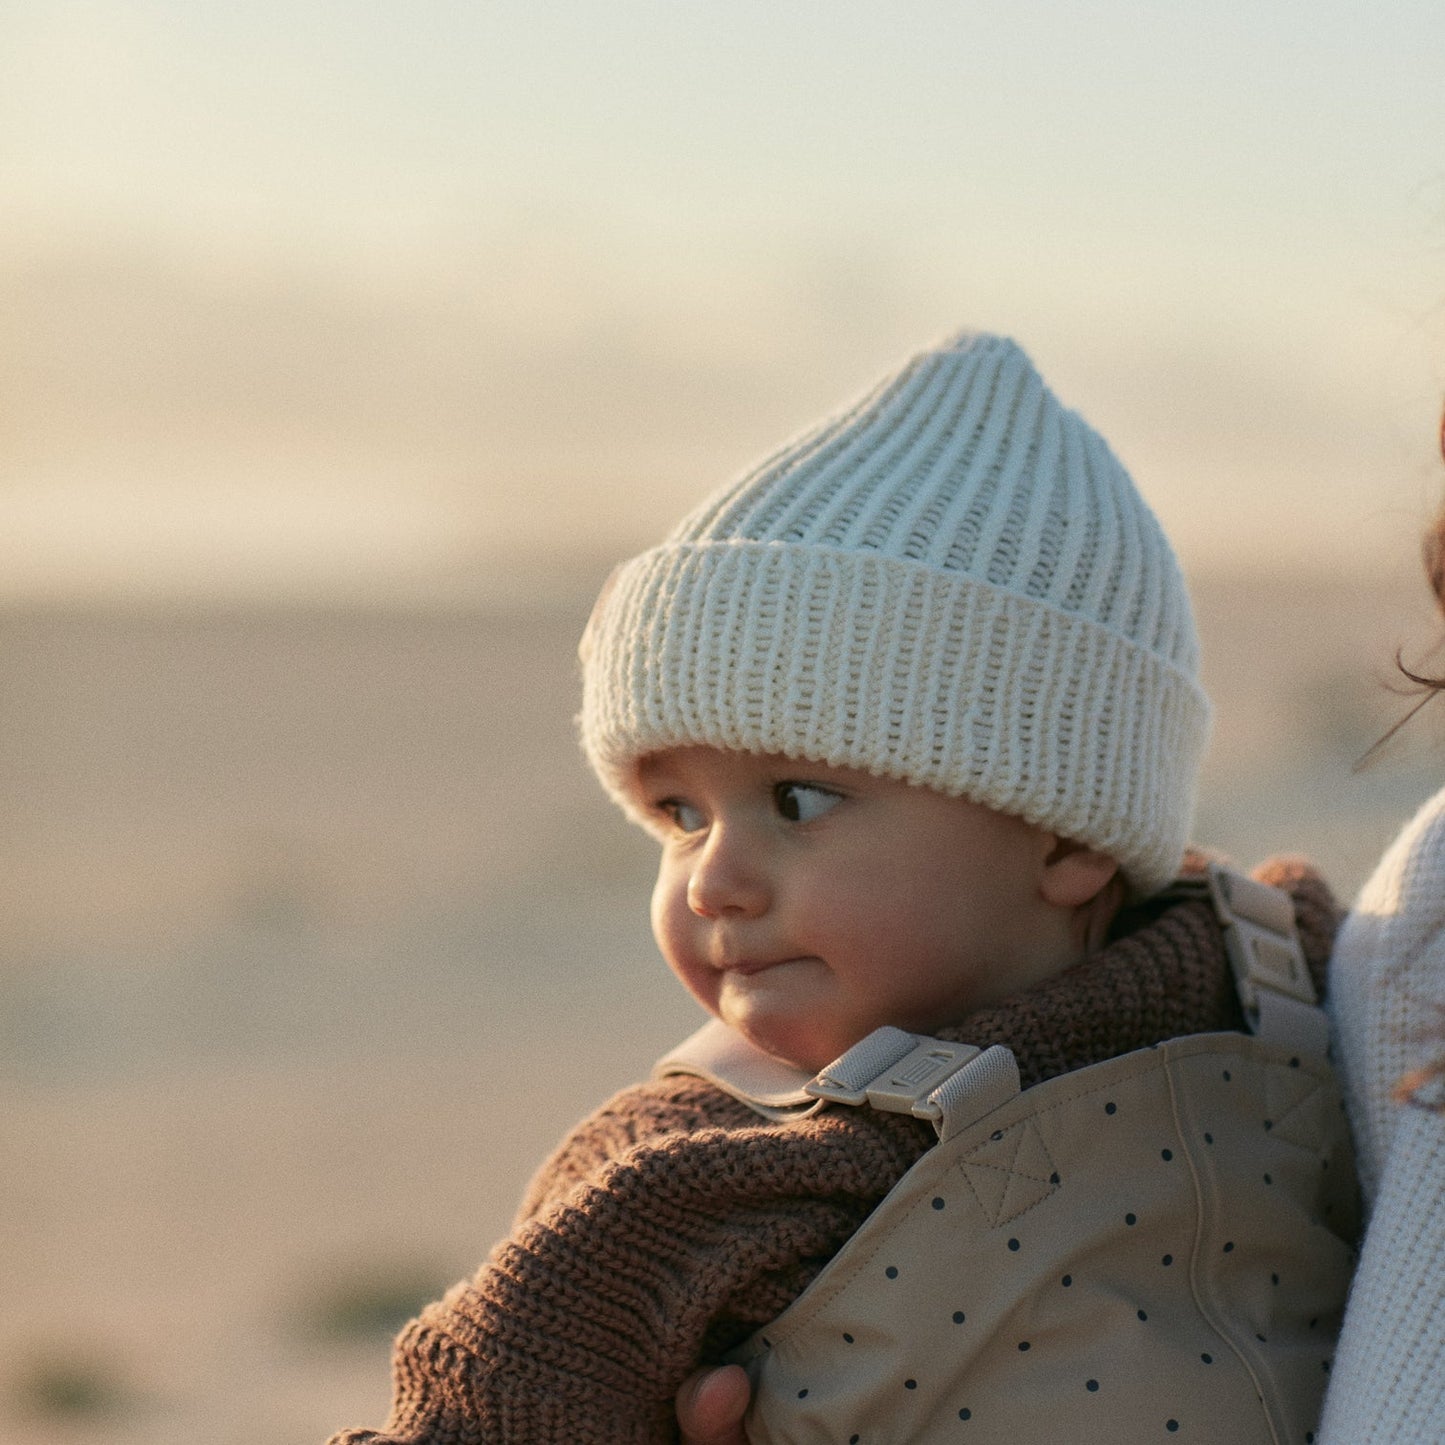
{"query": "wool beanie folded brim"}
{"type": "Point", "coordinates": [851, 658]}
{"type": "Point", "coordinates": [953, 582]}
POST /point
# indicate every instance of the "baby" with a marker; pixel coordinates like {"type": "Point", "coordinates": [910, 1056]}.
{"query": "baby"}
{"type": "Point", "coordinates": [913, 711]}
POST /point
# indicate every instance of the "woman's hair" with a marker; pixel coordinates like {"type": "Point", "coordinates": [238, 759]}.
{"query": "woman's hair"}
{"type": "Point", "coordinates": [1423, 1086]}
{"type": "Point", "coordinates": [1432, 554]}
{"type": "Point", "coordinates": [1434, 545]}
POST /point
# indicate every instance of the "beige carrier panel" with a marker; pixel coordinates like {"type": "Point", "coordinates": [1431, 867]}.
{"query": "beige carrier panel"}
{"type": "Point", "coordinates": [1134, 1252]}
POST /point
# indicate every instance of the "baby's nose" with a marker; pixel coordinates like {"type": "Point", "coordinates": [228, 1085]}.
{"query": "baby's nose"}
{"type": "Point", "coordinates": [728, 877]}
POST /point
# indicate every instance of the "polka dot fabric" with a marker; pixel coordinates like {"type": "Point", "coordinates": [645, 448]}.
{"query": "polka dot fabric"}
{"type": "Point", "coordinates": [1153, 1248]}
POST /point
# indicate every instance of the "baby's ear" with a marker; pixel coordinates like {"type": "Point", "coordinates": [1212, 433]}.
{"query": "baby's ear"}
{"type": "Point", "coordinates": [1074, 874]}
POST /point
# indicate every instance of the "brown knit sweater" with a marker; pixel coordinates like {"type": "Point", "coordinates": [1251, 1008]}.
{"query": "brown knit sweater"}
{"type": "Point", "coordinates": [675, 1221]}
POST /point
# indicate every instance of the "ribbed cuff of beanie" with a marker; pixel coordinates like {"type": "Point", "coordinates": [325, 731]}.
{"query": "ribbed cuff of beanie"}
{"type": "Point", "coordinates": [903, 670]}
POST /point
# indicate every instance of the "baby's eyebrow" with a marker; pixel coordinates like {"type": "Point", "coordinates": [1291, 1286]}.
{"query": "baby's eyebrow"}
{"type": "Point", "coordinates": [651, 775]}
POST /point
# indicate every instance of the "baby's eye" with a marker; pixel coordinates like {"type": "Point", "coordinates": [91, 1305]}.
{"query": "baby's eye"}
{"type": "Point", "coordinates": [803, 802]}
{"type": "Point", "coordinates": [683, 816]}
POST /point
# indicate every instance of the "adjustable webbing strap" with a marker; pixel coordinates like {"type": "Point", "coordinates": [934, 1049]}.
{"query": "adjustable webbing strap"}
{"type": "Point", "coordinates": [727, 1060]}
{"type": "Point", "coordinates": [1270, 972]}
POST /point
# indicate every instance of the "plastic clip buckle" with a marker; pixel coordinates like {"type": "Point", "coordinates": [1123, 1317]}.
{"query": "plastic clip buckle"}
{"type": "Point", "coordinates": [1260, 939]}
{"type": "Point", "coordinates": [904, 1086]}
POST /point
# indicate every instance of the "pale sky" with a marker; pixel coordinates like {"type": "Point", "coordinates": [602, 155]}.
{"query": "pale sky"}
{"type": "Point", "coordinates": [337, 298]}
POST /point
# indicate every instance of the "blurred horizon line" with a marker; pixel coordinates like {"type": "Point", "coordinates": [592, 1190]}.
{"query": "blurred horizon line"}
{"type": "Point", "coordinates": [559, 581]}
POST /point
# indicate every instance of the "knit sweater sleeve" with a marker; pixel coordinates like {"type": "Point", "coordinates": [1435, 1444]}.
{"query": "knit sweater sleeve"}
{"type": "Point", "coordinates": [667, 1227]}
{"type": "Point", "coordinates": [1388, 1382]}
{"type": "Point", "coordinates": [1388, 1002]}
{"type": "Point", "coordinates": [1387, 983]}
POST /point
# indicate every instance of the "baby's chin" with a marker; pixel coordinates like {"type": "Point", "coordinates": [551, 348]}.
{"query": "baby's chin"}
{"type": "Point", "coordinates": [800, 1044]}
{"type": "Point", "coordinates": [785, 1014]}
{"type": "Point", "coordinates": [806, 1059]}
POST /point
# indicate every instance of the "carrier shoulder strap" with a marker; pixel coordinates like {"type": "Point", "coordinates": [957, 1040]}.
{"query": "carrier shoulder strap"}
{"type": "Point", "coordinates": [951, 1085]}
{"type": "Point", "coordinates": [1270, 972]}
{"type": "Point", "coordinates": [729, 1062]}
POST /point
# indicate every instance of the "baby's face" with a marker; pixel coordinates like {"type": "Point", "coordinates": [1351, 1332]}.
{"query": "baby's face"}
{"type": "Point", "coordinates": [806, 905]}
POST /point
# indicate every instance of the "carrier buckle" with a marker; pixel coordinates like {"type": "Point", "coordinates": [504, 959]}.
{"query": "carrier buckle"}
{"type": "Point", "coordinates": [1270, 972]}
{"type": "Point", "coordinates": [949, 1084]}
{"type": "Point", "coordinates": [893, 1071]}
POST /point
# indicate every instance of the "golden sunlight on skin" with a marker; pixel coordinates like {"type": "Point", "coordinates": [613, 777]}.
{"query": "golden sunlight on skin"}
{"type": "Point", "coordinates": [806, 905]}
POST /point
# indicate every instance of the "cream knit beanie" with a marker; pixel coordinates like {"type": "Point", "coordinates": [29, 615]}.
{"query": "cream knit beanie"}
{"type": "Point", "coordinates": [952, 582]}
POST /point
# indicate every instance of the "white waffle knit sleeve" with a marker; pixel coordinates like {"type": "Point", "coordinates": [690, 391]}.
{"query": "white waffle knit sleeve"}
{"type": "Point", "coordinates": [1388, 1383]}
{"type": "Point", "coordinates": [1387, 990]}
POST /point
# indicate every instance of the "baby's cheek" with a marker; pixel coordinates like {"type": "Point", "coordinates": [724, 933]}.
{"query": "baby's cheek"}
{"type": "Point", "coordinates": [665, 896]}
{"type": "Point", "coordinates": [674, 929]}
{"type": "Point", "coordinates": [669, 940]}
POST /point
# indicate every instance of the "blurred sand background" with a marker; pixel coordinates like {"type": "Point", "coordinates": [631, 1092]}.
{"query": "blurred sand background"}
{"type": "Point", "coordinates": [316, 935]}
{"type": "Point", "coordinates": [343, 349]}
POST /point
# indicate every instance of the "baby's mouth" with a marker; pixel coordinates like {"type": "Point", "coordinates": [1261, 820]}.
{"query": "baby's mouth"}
{"type": "Point", "coordinates": [747, 967]}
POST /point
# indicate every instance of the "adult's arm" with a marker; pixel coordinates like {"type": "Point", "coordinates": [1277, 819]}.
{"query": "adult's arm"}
{"type": "Point", "coordinates": [1387, 996]}
{"type": "Point", "coordinates": [1387, 985]}
{"type": "Point", "coordinates": [1389, 1377]}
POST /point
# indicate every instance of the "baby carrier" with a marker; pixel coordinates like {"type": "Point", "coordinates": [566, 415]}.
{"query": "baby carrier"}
{"type": "Point", "coordinates": [1156, 1247]}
